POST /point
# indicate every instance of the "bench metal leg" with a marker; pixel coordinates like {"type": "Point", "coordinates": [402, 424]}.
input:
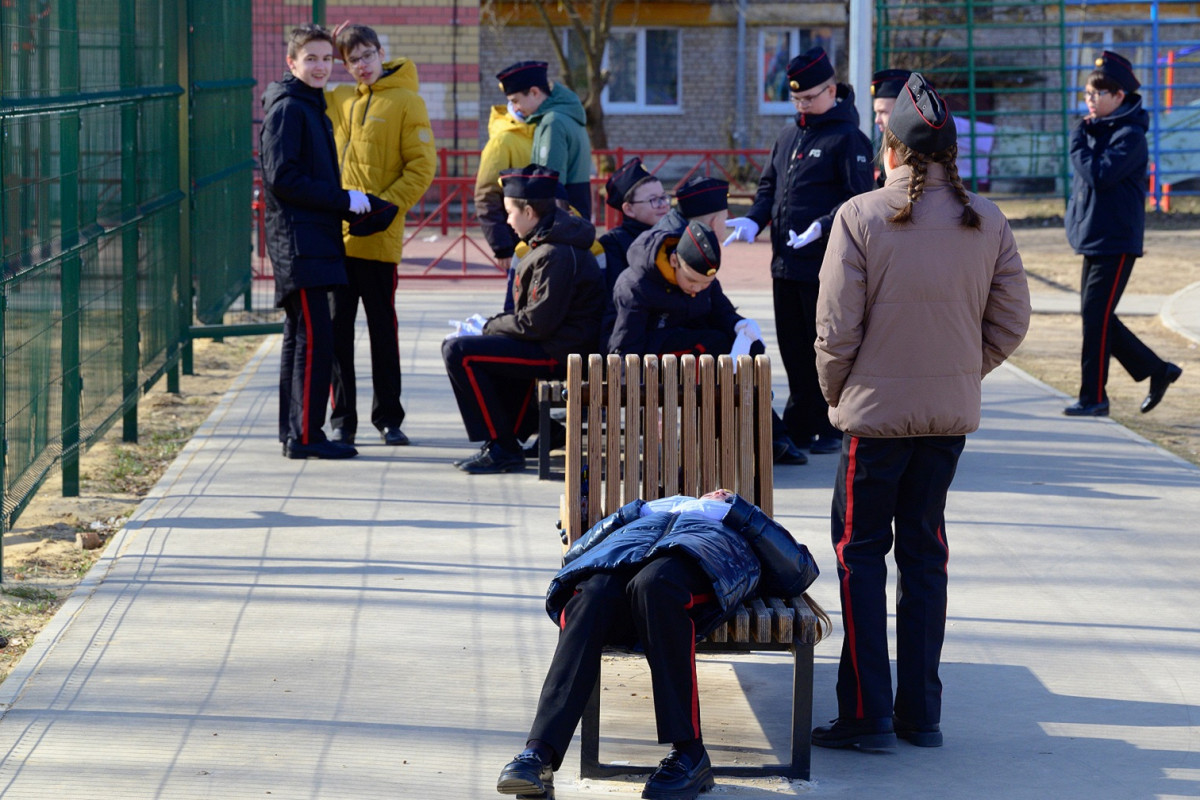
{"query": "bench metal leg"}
{"type": "Point", "coordinates": [544, 403]}
{"type": "Point", "coordinates": [589, 748]}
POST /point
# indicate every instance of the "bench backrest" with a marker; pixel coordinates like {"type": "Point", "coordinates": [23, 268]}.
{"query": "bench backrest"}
{"type": "Point", "coordinates": [649, 427]}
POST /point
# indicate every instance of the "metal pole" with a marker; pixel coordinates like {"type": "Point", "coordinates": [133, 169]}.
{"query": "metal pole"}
{"type": "Point", "coordinates": [860, 62]}
{"type": "Point", "coordinates": [1156, 117]}
{"type": "Point", "coordinates": [739, 94]}
{"type": "Point", "coordinates": [129, 236]}
{"type": "Point", "coordinates": [69, 291]}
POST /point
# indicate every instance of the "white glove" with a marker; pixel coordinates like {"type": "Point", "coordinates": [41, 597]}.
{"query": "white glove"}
{"type": "Point", "coordinates": [811, 235]}
{"type": "Point", "coordinates": [749, 328]}
{"type": "Point", "coordinates": [359, 203]}
{"type": "Point", "coordinates": [744, 230]}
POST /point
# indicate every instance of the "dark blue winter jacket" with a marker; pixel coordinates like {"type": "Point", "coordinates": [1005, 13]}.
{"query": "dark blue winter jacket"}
{"type": "Point", "coordinates": [1106, 214]}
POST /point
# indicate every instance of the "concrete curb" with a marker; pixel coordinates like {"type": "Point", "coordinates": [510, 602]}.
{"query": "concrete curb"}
{"type": "Point", "coordinates": [1181, 312]}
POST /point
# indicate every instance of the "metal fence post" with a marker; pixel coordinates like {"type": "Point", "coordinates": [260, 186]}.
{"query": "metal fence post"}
{"type": "Point", "coordinates": [72, 385]}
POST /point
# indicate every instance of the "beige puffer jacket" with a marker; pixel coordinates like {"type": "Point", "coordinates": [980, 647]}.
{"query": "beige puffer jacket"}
{"type": "Point", "coordinates": [910, 317]}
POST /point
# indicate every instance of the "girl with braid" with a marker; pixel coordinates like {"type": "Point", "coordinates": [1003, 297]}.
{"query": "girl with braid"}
{"type": "Point", "coordinates": [922, 295]}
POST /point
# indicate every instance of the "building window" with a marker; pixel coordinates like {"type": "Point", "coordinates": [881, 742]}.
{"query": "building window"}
{"type": "Point", "coordinates": [776, 47]}
{"type": "Point", "coordinates": [644, 67]}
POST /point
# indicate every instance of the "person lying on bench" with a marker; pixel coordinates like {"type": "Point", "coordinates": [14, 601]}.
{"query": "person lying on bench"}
{"type": "Point", "coordinates": [660, 574]}
{"type": "Point", "coordinates": [670, 301]}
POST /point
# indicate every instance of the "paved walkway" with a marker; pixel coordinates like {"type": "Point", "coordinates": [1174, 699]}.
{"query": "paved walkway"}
{"type": "Point", "coordinates": [374, 628]}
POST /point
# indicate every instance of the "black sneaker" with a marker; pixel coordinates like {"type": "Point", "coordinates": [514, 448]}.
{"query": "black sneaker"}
{"type": "Point", "coordinates": [869, 735]}
{"type": "Point", "coordinates": [786, 452]}
{"type": "Point", "coordinates": [677, 778]}
{"type": "Point", "coordinates": [341, 435]}
{"type": "Point", "coordinates": [527, 776]}
{"type": "Point", "coordinates": [825, 444]}
{"type": "Point", "coordinates": [919, 735]}
{"type": "Point", "coordinates": [1081, 409]}
{"type": "Point", "coordinates": [392, 435]}
{"type": "Point", "coordinates": [321, 449]}
{"type": "Point", "coordinates": [493, 459]}
{"type": "Point", "coordinates": [1159, 383]}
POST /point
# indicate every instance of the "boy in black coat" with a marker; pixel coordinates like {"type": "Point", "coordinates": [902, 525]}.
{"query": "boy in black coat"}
{"type": "Point", "coordinates": [305, 207]}
{"type": "Point", "coordinates": [818, 162]}
{"type": "Point", "coordinates": [1106, 217]}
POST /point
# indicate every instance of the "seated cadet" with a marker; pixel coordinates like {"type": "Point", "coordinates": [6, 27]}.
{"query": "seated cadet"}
{"type": "Point", "coordinates": [640, 198]}
{"type": "Point", "coordinates": [662, 574]}
{"type": "Point", "coordinates": [558, 298]}
{"type": "Point", "coordinates": [670, 301]}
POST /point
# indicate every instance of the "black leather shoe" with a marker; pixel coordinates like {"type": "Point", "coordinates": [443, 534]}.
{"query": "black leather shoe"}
{"type": "Point", "coordinates": [341, 435]}
{"type": "Point", "coordinates": [869, 735]}
{"type": "Point", "coordinates": [825, 444]}
{"type": "Point", "coordinates": [677, 778]}
{"type": "Point", "coordinates": [322, 449]}
{"type": "Point", "coordinates": [1159, 384]}
{"type": "Point", "coordinates": [527, 776]}
{"type": "Point", "coordinates": [919, 735]}
{"type": "Point", "coordinates": [393, 436]}
{"type": "Point", "coordinates": [1087, 409]}
{"type": "Point", "coordinates": [493, 459]}
{"type": "Point", "coordinates": [786, 452]}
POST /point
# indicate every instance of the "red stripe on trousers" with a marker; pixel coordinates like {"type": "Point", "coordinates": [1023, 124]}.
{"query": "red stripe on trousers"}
{"type": "Point", "coordinates": [466, 362]}
{"type": "Point", "coordinates": [695, 683]}
{"type": "Point", "coordinates": [847, 534]}
{"type": "Point", "coordinates": [1108, 312]}
{"type": "Point", "coordinates": [308, 328]}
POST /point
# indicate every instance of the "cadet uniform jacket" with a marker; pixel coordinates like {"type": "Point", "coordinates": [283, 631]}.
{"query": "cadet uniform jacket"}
{"type": "Point", "coordinates": [910, 317]}
{"type": "Point", "coordinates": [304, 196]}
{"type": "Point", "coordinates": [817, 163]}
{"type": "Point", "coordinates": [558, 291]}
{"type": "Point", "coordinates": [1106, 215]}
{"type": "Point", "coordinates": [509, 145]}
{"type": "Point", "coordinates": [386, 148]}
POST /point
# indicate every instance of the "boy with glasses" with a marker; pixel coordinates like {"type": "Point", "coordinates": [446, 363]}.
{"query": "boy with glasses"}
{"type": "Point", "coordinates": [385, 147]}
{"type": "Point", "coordinates": [640, 198]}
{"type": "Point", "coordinates": [1106, 218]}
{"type": "Point", "coordinates": [820, 160]}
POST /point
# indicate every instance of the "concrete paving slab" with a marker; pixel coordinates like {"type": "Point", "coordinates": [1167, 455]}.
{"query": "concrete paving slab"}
{"type": "Point", "coordinates": [374, 628]}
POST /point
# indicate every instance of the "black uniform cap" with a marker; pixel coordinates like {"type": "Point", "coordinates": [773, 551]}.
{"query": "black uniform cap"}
{"type": "Point", "coordinates": [921, 119]}
{"type": "Point", "coordinates": [698, 196]}
{"type": "Point", "coordinates": [377, 219]}
{"type": "Point", "coordinates": [1118, 68]}
{"type": "Point", "coordinates": [808, 70]}
{"type": "Point", "coordinates": [889, 82]}
{"type": "Point", "coordinates": [533, 182]}
{"type": "Point", "coordinates": [521, 76]}
{"type": "Point", "coordinates": [699, 249]}
{"type": "Point", "coordinates": [621, 181]}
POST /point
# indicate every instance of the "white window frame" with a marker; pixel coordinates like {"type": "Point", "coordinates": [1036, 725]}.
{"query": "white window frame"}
{"type": "Point", "coordinates": [639, 106]}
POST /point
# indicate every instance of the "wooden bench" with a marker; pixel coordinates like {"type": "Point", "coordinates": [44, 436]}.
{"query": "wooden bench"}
{"type": "Point", "coordinates": [550, 395]}
{"type": "Point", "coordinates": [655, 428]}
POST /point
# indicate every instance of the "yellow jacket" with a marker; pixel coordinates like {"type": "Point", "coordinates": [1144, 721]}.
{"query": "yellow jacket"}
{"type": "Point", "coordinates": [385, 147]}
{"type": "Point", "coordinates": [509, 144]}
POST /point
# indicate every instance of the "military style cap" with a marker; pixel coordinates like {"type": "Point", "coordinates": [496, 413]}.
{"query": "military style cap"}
{"type": "Point", "coordinates": [377, 219]}
{"type": "Point", "coordinates": [698, 196]}
{"type": "Point", "coordinates": [699, 249]}
{"type": "Point", "coordinates": [533, 182]}
{"type": "Point", "coordinates": [889, 82]}
{"type": "Point", "coordinates": [808, 70]}
{"type": "Point", "coordinates": [522, 75]}
{"type": "Point", "coordinates": [921, 119]}
{"type": "Point", "coordinates": [1119, 69]}
{"type": "Point", "coordinates": [621, 181]}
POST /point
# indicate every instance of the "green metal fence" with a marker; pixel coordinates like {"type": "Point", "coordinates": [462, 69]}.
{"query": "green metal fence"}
{"type": "Point", "coordinates": [125, 168]}
{"type": "Point", "coordinates": [1013, 73]}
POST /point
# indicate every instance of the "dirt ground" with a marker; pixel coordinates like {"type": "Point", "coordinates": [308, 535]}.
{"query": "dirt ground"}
{"type": "Point", "coordinates": [44, 559]}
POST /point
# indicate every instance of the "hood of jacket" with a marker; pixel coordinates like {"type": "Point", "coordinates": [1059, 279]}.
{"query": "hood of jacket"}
{"type": "Point", "coordinates": [291, 86]}
{"type": "Point", "coordinates": [1130, 112]}
{"type": "Point", "coordinates": [565, 228]}
{"type": "Point", "coordinates": [501, 123]}
{"type": "Point", "coordinates": [561, 100]}
{"type": "Point", "coordinates": [842, 111]}
{"type": "Point", "coordinates": [398, 73]}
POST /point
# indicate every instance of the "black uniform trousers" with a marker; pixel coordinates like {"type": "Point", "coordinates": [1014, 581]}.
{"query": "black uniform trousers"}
{"type": "Point", "coordinates": [881, 482]}
{"type": "Point", "coordinates": [494, 378]}
{"type": "Point", "coordinates": [806, 413]}
{"type": "Point", "coordinates": [305, 365]}
{"type": "Point", "coordinates": [1104, 335]}
{"type": "Point", "coordinates": [373, 282]}
{"type": "Point", "coordinates": [651, 605]}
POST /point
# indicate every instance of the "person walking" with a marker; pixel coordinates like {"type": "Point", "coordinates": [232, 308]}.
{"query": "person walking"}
{"type": "Point", "coordinates": [923, 293]}
{"type": "Point", "coordinates": [1106, 220]}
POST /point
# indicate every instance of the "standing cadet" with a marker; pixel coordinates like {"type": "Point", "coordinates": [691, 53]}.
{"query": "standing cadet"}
{"type": "Point", "coordinates": [305, 208]}
{"type": "Point", "coordinates": [819, 161]}
{"type": "Point", "coordinates": [558, 304]}
{"type": "Point", "coordinates": [386, 148]}
{"type": "Point", "coordinates": [886, 85]}
{"type": "Point", "coordinates": [1106, 219]}
{"type": "Point", "coordinates": [509, 146]}
{"type": "Point", "coordinates": [560, 139]}
{"type": "Point", "coordinates": [922, 294]}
